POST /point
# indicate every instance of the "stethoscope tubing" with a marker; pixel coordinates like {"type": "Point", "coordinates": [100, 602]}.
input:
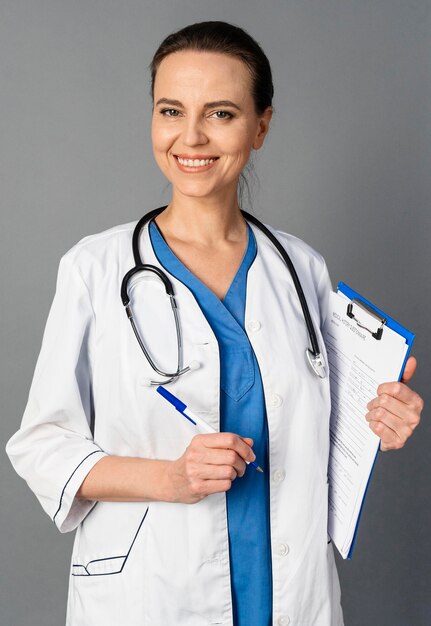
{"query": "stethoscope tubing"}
{"type": "Point", "coordinates": [296, 281]}
{"type": "Point", "coordinates": [313, 355]}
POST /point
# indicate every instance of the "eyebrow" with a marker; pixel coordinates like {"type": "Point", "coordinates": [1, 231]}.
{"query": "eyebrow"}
{"type": "Point", "coordinates": [207, 105]}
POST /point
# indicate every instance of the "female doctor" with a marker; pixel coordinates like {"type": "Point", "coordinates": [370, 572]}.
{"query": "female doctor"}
{"type": "Point", "coordinates": [173, 526]}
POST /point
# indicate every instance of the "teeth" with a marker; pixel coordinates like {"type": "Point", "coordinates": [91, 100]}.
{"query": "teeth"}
{"type": "Point", "coordinates": [195, 162]}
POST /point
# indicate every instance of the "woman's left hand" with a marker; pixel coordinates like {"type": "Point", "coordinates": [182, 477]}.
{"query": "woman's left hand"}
{"type": "Point", "coordinates": [395, 412]}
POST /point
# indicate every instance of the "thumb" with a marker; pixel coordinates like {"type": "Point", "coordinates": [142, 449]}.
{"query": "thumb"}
{"type": "Point", "coordinates": [409, 369]}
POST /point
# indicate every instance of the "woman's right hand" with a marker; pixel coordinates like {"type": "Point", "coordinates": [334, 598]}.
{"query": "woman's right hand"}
{"type": "Point", "coordinates": [209, 465]}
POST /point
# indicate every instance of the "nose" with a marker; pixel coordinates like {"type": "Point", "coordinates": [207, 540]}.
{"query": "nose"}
{"type": "Point", "coordinates": [193, 132]}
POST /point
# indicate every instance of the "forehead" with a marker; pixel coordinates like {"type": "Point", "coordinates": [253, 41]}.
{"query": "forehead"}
{"type": "Point", "coordinates": [196, 72]}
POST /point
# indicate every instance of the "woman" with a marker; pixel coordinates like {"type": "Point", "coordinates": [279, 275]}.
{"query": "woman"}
{"type": "Point", "coordinates": [172, 526]}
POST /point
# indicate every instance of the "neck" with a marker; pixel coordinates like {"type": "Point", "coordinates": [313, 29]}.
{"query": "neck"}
{"type": "Point", "coordinates": [201, 221]}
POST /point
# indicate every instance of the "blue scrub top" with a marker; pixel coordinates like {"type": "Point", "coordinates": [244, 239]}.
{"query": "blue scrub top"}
{"type": "Point", "coordinates": [242, 411]}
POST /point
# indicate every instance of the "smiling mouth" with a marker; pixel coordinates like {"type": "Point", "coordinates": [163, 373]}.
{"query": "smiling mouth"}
{"type": "Point", "coordinates": [195, 162]}
{"type": "Point", "coordinates": [195, 165]}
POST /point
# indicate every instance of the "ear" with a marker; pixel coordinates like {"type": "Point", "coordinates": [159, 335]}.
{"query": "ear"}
{"type": "Point", "coordinates": [262, 129]}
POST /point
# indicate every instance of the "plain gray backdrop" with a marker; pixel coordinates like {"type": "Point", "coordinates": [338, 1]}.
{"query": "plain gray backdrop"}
{"type": "Point", "coordinates": [346, 167]}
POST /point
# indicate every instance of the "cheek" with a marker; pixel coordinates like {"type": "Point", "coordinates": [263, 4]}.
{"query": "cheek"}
{"type": "Point", "coordinates": [239, 143]}
{"type": "Point", "coordinates": [162, 137]}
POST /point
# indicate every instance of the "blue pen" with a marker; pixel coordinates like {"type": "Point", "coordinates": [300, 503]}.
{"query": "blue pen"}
{"type": "Point", "coordinates": [192, 417]}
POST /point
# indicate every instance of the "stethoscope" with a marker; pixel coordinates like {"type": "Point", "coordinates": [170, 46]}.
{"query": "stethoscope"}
{"type": "Point", "coordinates": [313, 355]}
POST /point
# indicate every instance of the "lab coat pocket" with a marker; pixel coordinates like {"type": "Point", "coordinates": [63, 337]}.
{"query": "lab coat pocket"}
{"type": "Point", "coordinates": [107, 537]}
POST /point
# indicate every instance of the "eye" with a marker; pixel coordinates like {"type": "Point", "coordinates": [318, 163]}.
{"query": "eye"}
{"type": "Point", "coordinates": [226, 115]}
{"type": "Point", "coordinates": [165, 111]}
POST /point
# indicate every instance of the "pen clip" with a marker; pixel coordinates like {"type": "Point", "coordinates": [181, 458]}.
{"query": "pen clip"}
{"type": "Point", "coordinates": [364, 308]}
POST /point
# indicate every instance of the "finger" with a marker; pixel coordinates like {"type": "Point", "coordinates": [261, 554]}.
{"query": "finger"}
{"type": "Point", "coordinates": [248, 440]}
{"type": "Point", "coordinates": [215, 486]}
{"type": "Point", "coordinates": [401, 392]}
{"type": "Point", "coordinates": [227, 441]}
{"type": "Point", "coordinates": [381, 422]}
{"type": "Point", "coordinates": [409, 369]}
{"type": "Point", "coordinates": [385, 403]}
{"type": "Point", "coordinates": [216, 472]}
{"type": "Point", "coordinates": [226, 457]}
{"type": "Point", "coordinates": [246, 453]}
{"type": "Point", "coordinates": [389, 438]}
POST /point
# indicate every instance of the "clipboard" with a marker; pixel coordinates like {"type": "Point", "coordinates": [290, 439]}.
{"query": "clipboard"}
{"type": "Point", "coordinates": [378, 313]}
{"type": "Point", "coordinates": [372, 321]}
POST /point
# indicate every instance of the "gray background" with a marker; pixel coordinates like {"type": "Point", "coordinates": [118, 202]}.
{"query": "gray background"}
{"type": "Point", "coordinates": [346, 167]}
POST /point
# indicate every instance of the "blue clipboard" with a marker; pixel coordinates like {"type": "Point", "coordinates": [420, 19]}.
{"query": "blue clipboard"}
{"type": "Point", "coordinates": [409, 338]}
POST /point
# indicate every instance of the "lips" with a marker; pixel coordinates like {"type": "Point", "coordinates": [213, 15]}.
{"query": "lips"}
{"type": "Point", "coordinates": [195, 169]}
{"type": "Point", "coordinates": [196, 156]}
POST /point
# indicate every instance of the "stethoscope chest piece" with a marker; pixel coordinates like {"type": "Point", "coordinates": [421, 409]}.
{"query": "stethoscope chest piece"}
{"type": "Point", "coordinates": [316, 363]}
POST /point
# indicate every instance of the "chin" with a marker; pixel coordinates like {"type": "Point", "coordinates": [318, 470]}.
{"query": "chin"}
{"type": "Point", "coordinates": [194, 191]}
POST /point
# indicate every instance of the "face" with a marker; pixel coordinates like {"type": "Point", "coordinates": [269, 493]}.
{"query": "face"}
{"type": "Point", "coordinates": [204, 124]}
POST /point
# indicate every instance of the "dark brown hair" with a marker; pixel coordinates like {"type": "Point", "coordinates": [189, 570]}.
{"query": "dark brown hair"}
{"type": "Point", "coordinates": [226, 39]}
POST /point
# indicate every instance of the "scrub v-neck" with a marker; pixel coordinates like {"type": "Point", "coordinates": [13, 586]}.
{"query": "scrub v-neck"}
{"type": "Point", "coordinates": [242, 410]}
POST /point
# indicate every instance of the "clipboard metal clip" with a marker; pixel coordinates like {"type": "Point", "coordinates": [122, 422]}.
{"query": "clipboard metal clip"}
{"type": "Point", "coordinates": [364, 308]}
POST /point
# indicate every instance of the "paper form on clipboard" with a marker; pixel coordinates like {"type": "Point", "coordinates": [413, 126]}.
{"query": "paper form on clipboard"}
{"type": "Point", "coordinates": [365, 348]}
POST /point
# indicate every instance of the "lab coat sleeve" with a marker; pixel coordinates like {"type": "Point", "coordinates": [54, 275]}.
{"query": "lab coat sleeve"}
{"type": "Point", "coordinates": [54, 449]}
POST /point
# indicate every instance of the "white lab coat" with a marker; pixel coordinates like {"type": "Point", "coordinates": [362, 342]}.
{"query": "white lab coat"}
{"type": "Point", "coordinates": [159, 563]}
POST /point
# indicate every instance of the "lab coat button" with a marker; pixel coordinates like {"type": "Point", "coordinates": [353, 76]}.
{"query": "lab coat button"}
{"type": "Point", "coordinates": [275, 400]}
{"type": "Point", "coordinates": [284, 620]}
{"type": "Point", "coordinates": [278, 476]}
{"type": "Point", "coordinates": [283, 549]}
{"type": "Point", "coordinates": [253, 325]}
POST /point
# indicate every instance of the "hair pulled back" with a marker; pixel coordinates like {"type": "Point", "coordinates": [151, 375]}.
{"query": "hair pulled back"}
{"type": "Point", "coordinates": [223, 38]}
